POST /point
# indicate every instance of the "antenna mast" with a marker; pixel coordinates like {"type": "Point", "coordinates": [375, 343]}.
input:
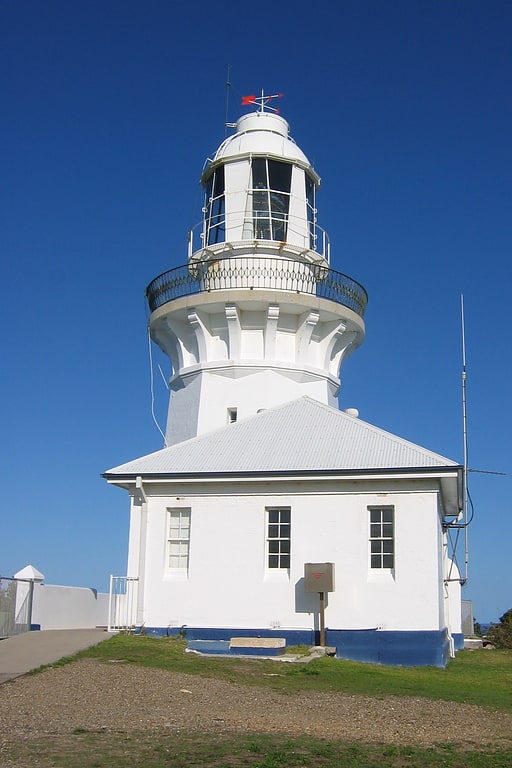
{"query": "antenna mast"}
{"type": "Point", "coordinates": [228, 86]}
{"type": "Point", "coordinates": [465, 444]}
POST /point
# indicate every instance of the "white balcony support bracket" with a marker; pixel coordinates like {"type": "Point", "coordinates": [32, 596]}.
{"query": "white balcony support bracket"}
{"type": "Point", "coordinates": [201, 334]}
{"type": "Point", "coordinates": [234, 332]}
{"type": "Point", "coordinates": [306, 326]}
{"type": "Point", "coordinates": [271, 332]}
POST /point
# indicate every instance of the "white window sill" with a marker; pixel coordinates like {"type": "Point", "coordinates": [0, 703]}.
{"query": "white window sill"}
{"type": "Point", "coordinates": [176, 574]}
{"type": "Point", "coordinates": [277, 575]}
{"type": "Point", "coordinates": [381, 575]}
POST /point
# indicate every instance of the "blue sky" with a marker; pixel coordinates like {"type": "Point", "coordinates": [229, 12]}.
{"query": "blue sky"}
{"type": "Point", "coordinates": [108, 112]}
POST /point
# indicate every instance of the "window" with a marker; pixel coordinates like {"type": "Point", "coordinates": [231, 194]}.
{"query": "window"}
{"type": "Point", "coordinates": [179, 538]}
{"type": "Point", "coordinates": [232, 415]}
{"type": "Point", "coordinates": [278, 538]}
{"type": "Point", "coordinates": [271, 183]}
{"type": "Point", "coordinates": [382, 537]}
{"type": "Point", "coordinates": [311, 210]}
{"type": "Point", "coordinates": [214, 208]}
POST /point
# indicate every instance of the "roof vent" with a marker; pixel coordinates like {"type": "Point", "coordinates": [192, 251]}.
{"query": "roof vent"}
{"type": "Point", "coordinates": [352, 412]}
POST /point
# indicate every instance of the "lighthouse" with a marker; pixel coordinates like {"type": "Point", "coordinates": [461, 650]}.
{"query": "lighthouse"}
{"type": "Point", "coordinates": [271, 516]}
{"type": "Point", "coordinates": [256, 317]}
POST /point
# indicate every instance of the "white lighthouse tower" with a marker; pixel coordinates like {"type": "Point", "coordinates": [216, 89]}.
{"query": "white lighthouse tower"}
{"type": "Point", "coordinates": [256, 317]}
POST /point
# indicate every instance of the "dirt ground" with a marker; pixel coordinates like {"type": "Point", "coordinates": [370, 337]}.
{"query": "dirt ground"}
{"type": "Point", "coordinates": [119, 697]}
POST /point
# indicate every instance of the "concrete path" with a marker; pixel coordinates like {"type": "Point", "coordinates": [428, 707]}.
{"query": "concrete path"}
{"type": "Point", "coordinates": [22, 653]}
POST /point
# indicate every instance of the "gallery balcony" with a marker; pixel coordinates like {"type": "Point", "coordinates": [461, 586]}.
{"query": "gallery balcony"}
{"type": "Point", "coordinates": [251, 272]}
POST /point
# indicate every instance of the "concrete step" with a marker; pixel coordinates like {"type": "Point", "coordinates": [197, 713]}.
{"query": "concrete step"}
{"type": "Point", "coordinates": [258, 646]}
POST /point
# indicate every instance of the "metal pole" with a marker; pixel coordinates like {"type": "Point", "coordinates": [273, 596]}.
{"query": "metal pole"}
{"type": "Point", "coordinates": [30, 604]}
{"type": "Point", "coordinates": [109, 623]}
{"type": "Point", "coordinates": [322, 618]}
{"type": "Point", "coordinates": [465, 445]}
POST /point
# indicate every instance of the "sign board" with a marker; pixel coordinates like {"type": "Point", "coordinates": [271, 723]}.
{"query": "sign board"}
{"type": "Point", "coordinates": [319, 577]}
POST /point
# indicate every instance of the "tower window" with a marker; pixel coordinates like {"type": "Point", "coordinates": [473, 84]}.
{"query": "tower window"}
{"type": "Point", "coordinates": [382, 537]}
{"type": "Point", "coordinates": [215, 219]}
{"type": "Point", "coordinates": [311, 211]}
{"type": "Point", "coordinates": [278, 538]}
{"type": "Point", "coordinates": [271, 183]}
{"type": "Point", "coordinates": [232, 415]}
{"type": "Point", "coordinates": [179, 538]}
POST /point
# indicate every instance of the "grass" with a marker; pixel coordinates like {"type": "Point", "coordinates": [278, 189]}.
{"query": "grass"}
{"type": "Point", "coordinates": [483, 678]}
{"type": "Point", "coordinates": [111, 750]}
{"type": "Point", "coordinates": [477, 677]}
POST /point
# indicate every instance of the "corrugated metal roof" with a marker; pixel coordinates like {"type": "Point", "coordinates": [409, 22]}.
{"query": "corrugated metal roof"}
{"type": "Point", "coordinates": [300, 436]}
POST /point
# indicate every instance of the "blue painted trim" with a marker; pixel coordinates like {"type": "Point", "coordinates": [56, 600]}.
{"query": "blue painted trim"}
{"type": "Point", "coordinates": [292, 636]}
{"type": "Point", "coordinates": [35, 627]}
{"type": "Point", "coordinates": [458, 641]}
{"type": "Point", "coordinates": [391, 648]}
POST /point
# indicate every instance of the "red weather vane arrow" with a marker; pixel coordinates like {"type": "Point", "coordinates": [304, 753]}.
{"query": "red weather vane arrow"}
{"type": "Point", "coordinates": [262, 101]}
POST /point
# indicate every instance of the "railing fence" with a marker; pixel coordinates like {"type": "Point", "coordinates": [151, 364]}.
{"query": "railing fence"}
{"type": "Point", "coordinates": [254, 272]}
{"type": "Point", "coordinates": [122, 606]}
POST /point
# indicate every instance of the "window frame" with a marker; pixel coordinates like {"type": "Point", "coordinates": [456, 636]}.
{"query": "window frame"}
{"type": "Point", "coordinates": [278, 539]}
{"type": "Point", "coordinates": [270, 204]}
{"type": "Point", "coordinates": [381, 538]}
{"type": "Point", "coordinates": [182, 539]}
{"type": "Point", "coordinates": [214, 207]}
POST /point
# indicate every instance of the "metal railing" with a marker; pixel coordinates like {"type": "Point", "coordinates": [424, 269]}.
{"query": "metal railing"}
{"type": "Point", "coordinates": [122, 604]}
{"type": "Point", "coordinates": [265, 226]}
{"type": "Point", "coordinates": [252, 272]}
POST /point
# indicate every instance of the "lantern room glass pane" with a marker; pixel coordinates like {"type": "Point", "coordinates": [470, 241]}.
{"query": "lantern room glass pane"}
{"type": "Point", "coordinates": [259, 173]}
{"type": "Point", "coordinates": [271, 184]}
{"type": "Point", "coordinates": [215, 210]}
{"type": "Point", "coordinates": [311, 211]}
{"type": "Point", "coordinates": [280, 176]}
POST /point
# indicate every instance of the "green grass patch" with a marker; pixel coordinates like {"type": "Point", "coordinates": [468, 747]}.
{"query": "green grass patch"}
{"type": "Point", "coordinates": [482, 677]}
{"type": "Point", "coordinates": [157, 750]}
{"type": "Point", "coordinates": [297, 650]}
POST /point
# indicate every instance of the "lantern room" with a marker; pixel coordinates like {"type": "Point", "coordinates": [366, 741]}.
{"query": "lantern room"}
{"type": "Point", "coordinates": [260, 186]}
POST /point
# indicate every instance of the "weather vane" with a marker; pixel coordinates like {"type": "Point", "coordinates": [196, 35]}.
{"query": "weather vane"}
{"type": "Point", "coordinates": [262, 101]}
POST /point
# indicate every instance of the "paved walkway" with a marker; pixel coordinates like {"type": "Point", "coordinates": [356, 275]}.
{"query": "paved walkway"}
{"type": "Point", "coordinates": [22, 653]}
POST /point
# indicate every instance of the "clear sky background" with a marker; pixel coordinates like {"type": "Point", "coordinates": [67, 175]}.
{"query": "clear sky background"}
{"type": "Point", "coordinates": [108, 111]}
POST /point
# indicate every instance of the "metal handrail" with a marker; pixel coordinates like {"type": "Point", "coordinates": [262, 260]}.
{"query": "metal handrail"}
{"type": "Point", "coordinates": [256, 272]}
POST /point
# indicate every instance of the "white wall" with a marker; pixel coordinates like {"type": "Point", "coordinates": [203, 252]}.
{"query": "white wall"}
{"type": "Point", "coordinates": [228, 584]}
{"type": "Point", "coordinates": [56, 607]}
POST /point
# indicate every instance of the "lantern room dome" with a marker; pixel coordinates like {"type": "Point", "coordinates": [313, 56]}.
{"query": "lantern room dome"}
{"type": "Point", "coordinates": [261, 133]}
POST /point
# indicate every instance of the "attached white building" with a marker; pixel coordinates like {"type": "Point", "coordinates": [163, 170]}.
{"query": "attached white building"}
{"type": "Point", "coordinates": [263, 473]}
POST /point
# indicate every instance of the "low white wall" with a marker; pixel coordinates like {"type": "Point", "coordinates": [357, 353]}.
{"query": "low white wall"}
{"type": "Point", "coordinates": [56, 607]}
